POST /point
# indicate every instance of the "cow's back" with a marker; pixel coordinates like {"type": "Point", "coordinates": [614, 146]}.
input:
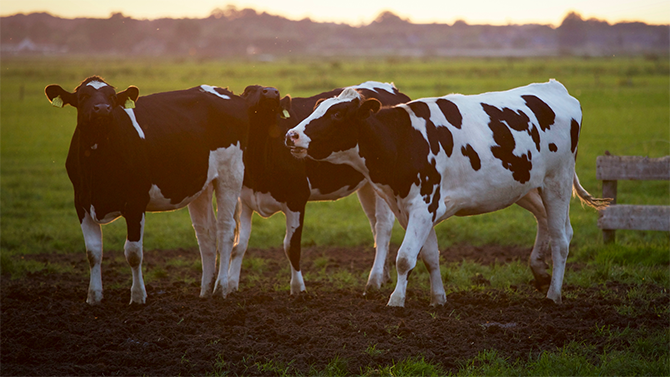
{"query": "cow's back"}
{"type": "Point", "coordinates": [506, 144]}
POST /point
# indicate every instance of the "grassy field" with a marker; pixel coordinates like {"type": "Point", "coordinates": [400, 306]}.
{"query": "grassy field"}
{"type": "Point", "coordinates": [626, 105]}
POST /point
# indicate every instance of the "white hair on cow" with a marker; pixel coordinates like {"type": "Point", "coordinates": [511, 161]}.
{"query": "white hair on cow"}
{"type": "Point", "coordinates": [349, 93]}
{"type": "Point", "coordinates": [374, 85]}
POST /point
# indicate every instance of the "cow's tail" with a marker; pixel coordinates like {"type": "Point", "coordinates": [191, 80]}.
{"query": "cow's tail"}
{"type": "Point", "coordinates": [237, 215]}
{"type": "Point", "coordinates": [586, 198]}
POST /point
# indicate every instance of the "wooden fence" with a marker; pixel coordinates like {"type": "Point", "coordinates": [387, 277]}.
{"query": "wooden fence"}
{"type": "Point", "coordinates": [611, 169]}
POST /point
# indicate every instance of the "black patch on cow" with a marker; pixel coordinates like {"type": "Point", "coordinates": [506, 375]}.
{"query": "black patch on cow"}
{"type": "Point", "coordinates": [451, 112]}
{"type": "Point", "coordinates": [535, 135]}
{"type": "Point", "coordinates": [470, 153]}
{"type": "Point", "coordinates": [544, 114]}
{"type": "Point", "coordinates": [436, 135]}
{"type": "Point", "coordinates": [553, 147]}
{"type": "Point", "coordinates": [398, 155]}
{"type": "Point", "coordinates": [574, 135]}
{"type": "Point", "coordinates": [328, 178]}
{"type": "Point", "coordinates": [181, 128]}
{"type": "Point", "coordinates": [520, 166]}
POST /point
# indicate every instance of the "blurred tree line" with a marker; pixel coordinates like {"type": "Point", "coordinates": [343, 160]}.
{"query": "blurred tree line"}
{"type": "Point", "coordinates": [232, 32]}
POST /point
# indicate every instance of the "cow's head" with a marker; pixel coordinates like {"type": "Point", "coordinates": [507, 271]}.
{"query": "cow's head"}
{"type": "Point", "coordinates": [332, 127]}
{"type": "Point", "coordinates": [93, 98]}
{"type": "Point", "coordinates": [264, 108]}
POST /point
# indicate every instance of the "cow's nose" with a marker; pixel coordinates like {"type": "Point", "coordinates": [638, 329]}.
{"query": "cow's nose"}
{"type": "Point", "coordinates": [291, 138]}
{"type": "Point", "coordinates": [270, 93]}
{"type": "Point", "coordinates": [102, 108]}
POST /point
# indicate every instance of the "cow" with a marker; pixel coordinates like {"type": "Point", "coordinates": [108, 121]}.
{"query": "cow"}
{"type": "Point", "coordinates": [460, 155]}
{"type": "Point", "coordinates": [159, 152]}
{"type": "Point", "coordinates": [275, 181]}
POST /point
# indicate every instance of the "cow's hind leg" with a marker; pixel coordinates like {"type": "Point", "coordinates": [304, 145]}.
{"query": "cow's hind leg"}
{"type": "Point", "coordinates": [134, 255]}
{"type": "Point", "coordinates": [556, 197]}
{"type": "Point", "coordinates": [227, 188]}
{"type": "Point", "coordinates": [541, 249]}
{"type": "Point", "coordinates": [240, 248]}
{"type": "Point", "coordinates": [430, 254]}
{"type": "Point", "coordinates": [204, 224]}
{"type": "Point", "coordinates": [294, 223]}
{"type": "Point", "coordinates": [381, 222]}
{"type": "Point", "coordinates": [93, 240]}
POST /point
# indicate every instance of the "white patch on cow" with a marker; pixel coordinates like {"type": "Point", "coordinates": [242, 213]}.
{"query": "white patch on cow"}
{"type": "Point", "coordinates": [131, 115]}
{"type": "Point", "coordinates": [374, 85]}
{"type": "Point", "coordinates": [217, 162]}
{"type": "Point", "coordinates": [97, 84]}
{"type": "Point", "coordinates": [210, 89]}
{"type": "Point", "coordinates": [109, 217]}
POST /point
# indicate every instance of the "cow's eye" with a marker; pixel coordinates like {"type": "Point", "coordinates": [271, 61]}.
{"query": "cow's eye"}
{"type": "Point", "coordinates": [338, 115]}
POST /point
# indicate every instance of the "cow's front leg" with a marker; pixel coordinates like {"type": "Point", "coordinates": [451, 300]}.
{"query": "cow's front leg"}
{"type": "Point", "coordinates": [134, 254]}
{"type": "Point", "coordinates": [294, 222]}
{"type": "Point", "coordinates": [381, 220]}
{"type": "Point", "coordinates": [93, 240]}
{"type": "Point", "coordinates": [418, 228]}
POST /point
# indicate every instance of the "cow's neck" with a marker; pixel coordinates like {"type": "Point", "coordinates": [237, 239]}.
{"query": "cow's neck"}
{"type": "Point", "coordinates": [377, 149]}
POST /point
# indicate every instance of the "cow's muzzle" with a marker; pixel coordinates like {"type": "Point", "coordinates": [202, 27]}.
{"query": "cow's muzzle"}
{"type": "Point", "coordinates": [292, 138]}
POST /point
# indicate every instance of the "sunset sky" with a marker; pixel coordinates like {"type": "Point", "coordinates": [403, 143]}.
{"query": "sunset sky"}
{"type": "Point", "coordinates": [356, 12]}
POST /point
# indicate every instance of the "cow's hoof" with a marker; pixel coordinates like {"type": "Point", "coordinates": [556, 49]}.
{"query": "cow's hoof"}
{"type": "Point", "coordinates": [396, 301]}
{"type": "Point", "coordinates": [438, 300]}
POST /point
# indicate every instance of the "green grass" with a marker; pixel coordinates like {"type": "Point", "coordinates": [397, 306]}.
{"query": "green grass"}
{"type": "Point", "coordinates": [626, 105]}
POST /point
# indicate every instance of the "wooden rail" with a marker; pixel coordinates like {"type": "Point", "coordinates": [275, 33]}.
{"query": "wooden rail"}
{"type": "Point", "coordinates": [611, 169]}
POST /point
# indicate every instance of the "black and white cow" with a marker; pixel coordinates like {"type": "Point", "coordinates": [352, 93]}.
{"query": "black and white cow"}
{"type": "Point", "coordinates": [169, 150]}
{"type": "Point", "coordinates": [275, 181]}
{"type": "Point", "coordinates": [459, 155]}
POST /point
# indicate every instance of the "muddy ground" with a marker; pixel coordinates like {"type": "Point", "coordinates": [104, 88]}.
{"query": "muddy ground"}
{"type": "Point", "coordinates": [48, 329]}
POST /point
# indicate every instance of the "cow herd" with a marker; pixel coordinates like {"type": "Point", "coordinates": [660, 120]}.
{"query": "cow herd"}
{"type": "Point", "coordinates": [419, 162]}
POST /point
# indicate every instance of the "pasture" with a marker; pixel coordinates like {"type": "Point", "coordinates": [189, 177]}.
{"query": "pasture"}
{"type": "Point", "coordinates": [616, 313]}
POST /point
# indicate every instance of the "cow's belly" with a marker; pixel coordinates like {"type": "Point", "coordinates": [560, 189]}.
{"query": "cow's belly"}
{"type": "Point", "coordinates": [261, 202]}
{"type": "Point", "coordinates": [159, 203]}
{"type": "Point", "coordinates": [105, 218]}
{"type": "Point", "coordinates": [316, 195]}
{"type": "Point", "coordinates": [221, 161]}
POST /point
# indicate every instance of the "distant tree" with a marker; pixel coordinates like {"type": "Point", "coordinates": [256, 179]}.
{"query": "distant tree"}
{"type": "Point", "coordinates": [388, 17]}
{"type": "Point", "coordinates": [572, 32]}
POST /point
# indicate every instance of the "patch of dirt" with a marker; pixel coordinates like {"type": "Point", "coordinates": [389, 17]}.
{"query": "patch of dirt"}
{"type": "Point", "coordinates": [48, 329]}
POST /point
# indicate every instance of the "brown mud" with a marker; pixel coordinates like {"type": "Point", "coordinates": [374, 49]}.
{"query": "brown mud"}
{"type": "Point", "coordinates": [48, 329]}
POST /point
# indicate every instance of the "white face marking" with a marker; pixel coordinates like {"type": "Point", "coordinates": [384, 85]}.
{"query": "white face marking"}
{"type": "Point", "coordinates": [96, 84]}
{"type": "Point", "coordinates": [374, 85]}
{"type": "Point", "coordinates": [131, 114]}
{"type": "Point", "coordinates": [210, 89]}
{"type": "Point", "coordinates": [349, 94]}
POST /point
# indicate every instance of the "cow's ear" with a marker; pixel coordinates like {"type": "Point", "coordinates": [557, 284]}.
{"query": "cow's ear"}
{"type": "Point", "coordinates": [285, 105]}
{"type": "Point", "coordinates": [60, 97]}
{"type": "Point", "coordinates": [128, 97]}
{"type": "Point", "coordinates": [370, 105]}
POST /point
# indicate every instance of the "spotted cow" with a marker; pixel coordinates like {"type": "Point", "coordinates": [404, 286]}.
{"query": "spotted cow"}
{"type": "Point", "coordinates": [275, 181]}
{"type": "Point", "coordinates": [434, 158]}
{"type": "Point", "coordinates": [164, 152]}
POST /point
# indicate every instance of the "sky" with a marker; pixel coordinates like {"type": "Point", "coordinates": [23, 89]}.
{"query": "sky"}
{"type": "Point", "coordinates": [357, 12]}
